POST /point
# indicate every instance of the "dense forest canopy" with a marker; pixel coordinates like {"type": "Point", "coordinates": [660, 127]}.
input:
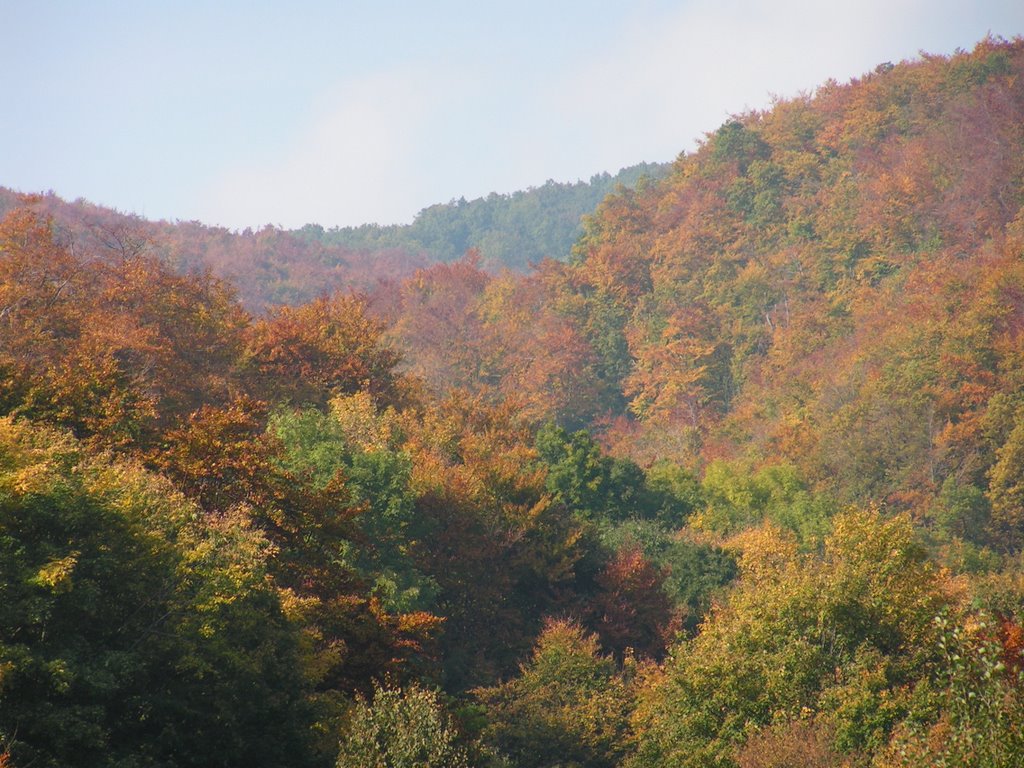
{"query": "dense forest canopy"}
{"type": "Point", "coordinates": [513, 231]}
{"type": "Point", "coordinates": [739, 482]}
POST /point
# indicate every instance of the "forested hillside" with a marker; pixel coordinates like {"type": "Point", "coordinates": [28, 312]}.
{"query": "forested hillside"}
{"type": "Point", "coordinates": [833, 282]}
{"type": "Point", "coordinates": [737, 485]}
{"type": "Point", "coordinates": [274, 266]}
{"type": "Point", "coordinates": [513, 231]}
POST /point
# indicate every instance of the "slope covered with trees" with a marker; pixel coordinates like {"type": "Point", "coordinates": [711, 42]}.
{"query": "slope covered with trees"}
{"type": "Point", "coordinates": [833, 282]}
{"type": "Point", "coordinates": [214, 522]}
{"type": "Point", "coordinates": [274, 266]}
{"type": "Point", "coordinates": [267, 267]}
{"type": "Point", "coordinates": [738, 485]}
{"type": "Point", "coordinates": [512, 231]}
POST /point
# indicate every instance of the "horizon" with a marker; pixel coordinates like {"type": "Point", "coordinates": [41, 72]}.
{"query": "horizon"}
{"type": "Point", "coordinates": [345, 116]}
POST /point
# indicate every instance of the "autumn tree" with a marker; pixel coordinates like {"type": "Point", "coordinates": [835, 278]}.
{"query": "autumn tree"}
{"type": "Point", "coordinates": [568, 703]}
{"type": "Point", "coordinates": [108, 341]}
{"type": "Point", "coordinates": [328, 347]}
{"type": "Point", "coordinates": [503, 553]}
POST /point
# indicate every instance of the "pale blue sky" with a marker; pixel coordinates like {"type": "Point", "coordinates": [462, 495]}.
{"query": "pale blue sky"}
{"type": "Point", "coordinates": [248, 113]}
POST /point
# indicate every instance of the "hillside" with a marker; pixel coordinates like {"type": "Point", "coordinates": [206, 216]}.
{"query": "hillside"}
{"type": "Point", "coordinates": [833, 282]}
{"type": "Point", "coordinates": [267, 267]}
{"type": "Point", "coordinates": [273, 266]}
{"type": "Point", "coordinates": [739, 484]}
{"type": "Point", "coordinates": [510, 231]}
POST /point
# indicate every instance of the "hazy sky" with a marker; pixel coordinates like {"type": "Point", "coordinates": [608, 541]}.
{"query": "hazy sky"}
{"type": "Point", "coordinates": [248, 113]}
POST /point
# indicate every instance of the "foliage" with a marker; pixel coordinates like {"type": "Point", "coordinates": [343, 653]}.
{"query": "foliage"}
{"type": "Point", "coordinates": [695, 572]}
{"type": "Point", "coordinates": [796, 744]}
{"type": "Point", "coordinates": [631, 612]}
{"type": "Point", "coordinates": [401, 729]}
{"type": "Point", "coordinates": [512, 231]}
{"type": "Point", "coordinates": [979, 698]}
{"type": "Point", "coordinates": [327, 346]}
{"type": "Point", "coordinates": [791, 622]}
{"type": "Point", "coordinates": [663, 439]}
{"type": "Point", "coordinates": [568, 706]}
{"type": "Point", "coordinates": [377, 483]}
{"type": "Point", "coordinates": [504, 554]}
{"type": "Point", "coordinates": [108, 341]}
{"type": "Point", "coordinates": [272, 266]}
{"type": "Point", "coordinates": [132, 632]}
{"type": "Point", "coordinates": [736, 498]}
{"type": "Point", "coordinates": [603, 489]}
{"type": "Point", "coordinates": [1006, 490]}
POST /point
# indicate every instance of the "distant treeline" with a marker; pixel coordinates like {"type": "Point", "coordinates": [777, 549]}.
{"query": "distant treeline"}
{"type": "Point", "coordinates": [273, 266]}
{"type": "Point", "coordinates": [512, 231]}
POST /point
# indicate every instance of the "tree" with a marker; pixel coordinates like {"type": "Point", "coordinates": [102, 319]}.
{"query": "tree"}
{"type": "Point", "coordinates": [106, 340]}
{"type": "Point", "coordinates": [681, 371]}
{"type": "Point", "coordinates": [793, 624]}
{"type": "Point", "coordinates": [401, 729]}
{"type": "Point", "coordinates": [328, 347]}
{"type": "Point", "coordinates": [133, 632]}
{"type": "Point", "coordinates": [503, 553]}
{"type": "Point", "coordinates": [979, 703]}
{"type": "Point", "coordinates": [596, 487]}
{"type": "Point", "coordinates": [1006, 491]}
{"type": "Point", "coordinates": [371, 479]}
{"type": "Point", "coordinates": [569, 705]}
{"type": "Point", "coordinates": [736, 497]}
{"type": "Point", "coordinates": [630, 610]}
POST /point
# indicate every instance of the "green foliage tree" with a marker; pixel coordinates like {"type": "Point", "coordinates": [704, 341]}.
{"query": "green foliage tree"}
{"type": "Point", "coordinates": [511, 231]}
{"type": "Point", "coordinates": [791, 622]}
{"type": "Point", "coordinates": [680, 490]}
{"type": "Point", "coordinates": [373, 479]}
{"type": "Point", "coordinates": [133, 632]}
{"type": "Point", "coordinates": [401, 729]}
{"type": "Point", "coordinates": [736, 497]}
{"type": "Point", "coordinates": [604, 489]}
{"type": "Point", "coordinates": [963, 511]}
{"type": "Point", "coordinates": [695, 573]}
{"type": "Point", "coordinates": [569, 705]}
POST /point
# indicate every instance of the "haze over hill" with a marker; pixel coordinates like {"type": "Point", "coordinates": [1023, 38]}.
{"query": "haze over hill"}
{"type": "Point", "coordinates": [277, 266]}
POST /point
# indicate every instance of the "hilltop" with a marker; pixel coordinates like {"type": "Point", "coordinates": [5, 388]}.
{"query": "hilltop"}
{"type": "Point", "coordinates": [272, 266]}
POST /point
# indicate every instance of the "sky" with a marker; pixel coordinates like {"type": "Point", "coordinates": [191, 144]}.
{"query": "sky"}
{"type": "Point", "coordinates": [243, 114]}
